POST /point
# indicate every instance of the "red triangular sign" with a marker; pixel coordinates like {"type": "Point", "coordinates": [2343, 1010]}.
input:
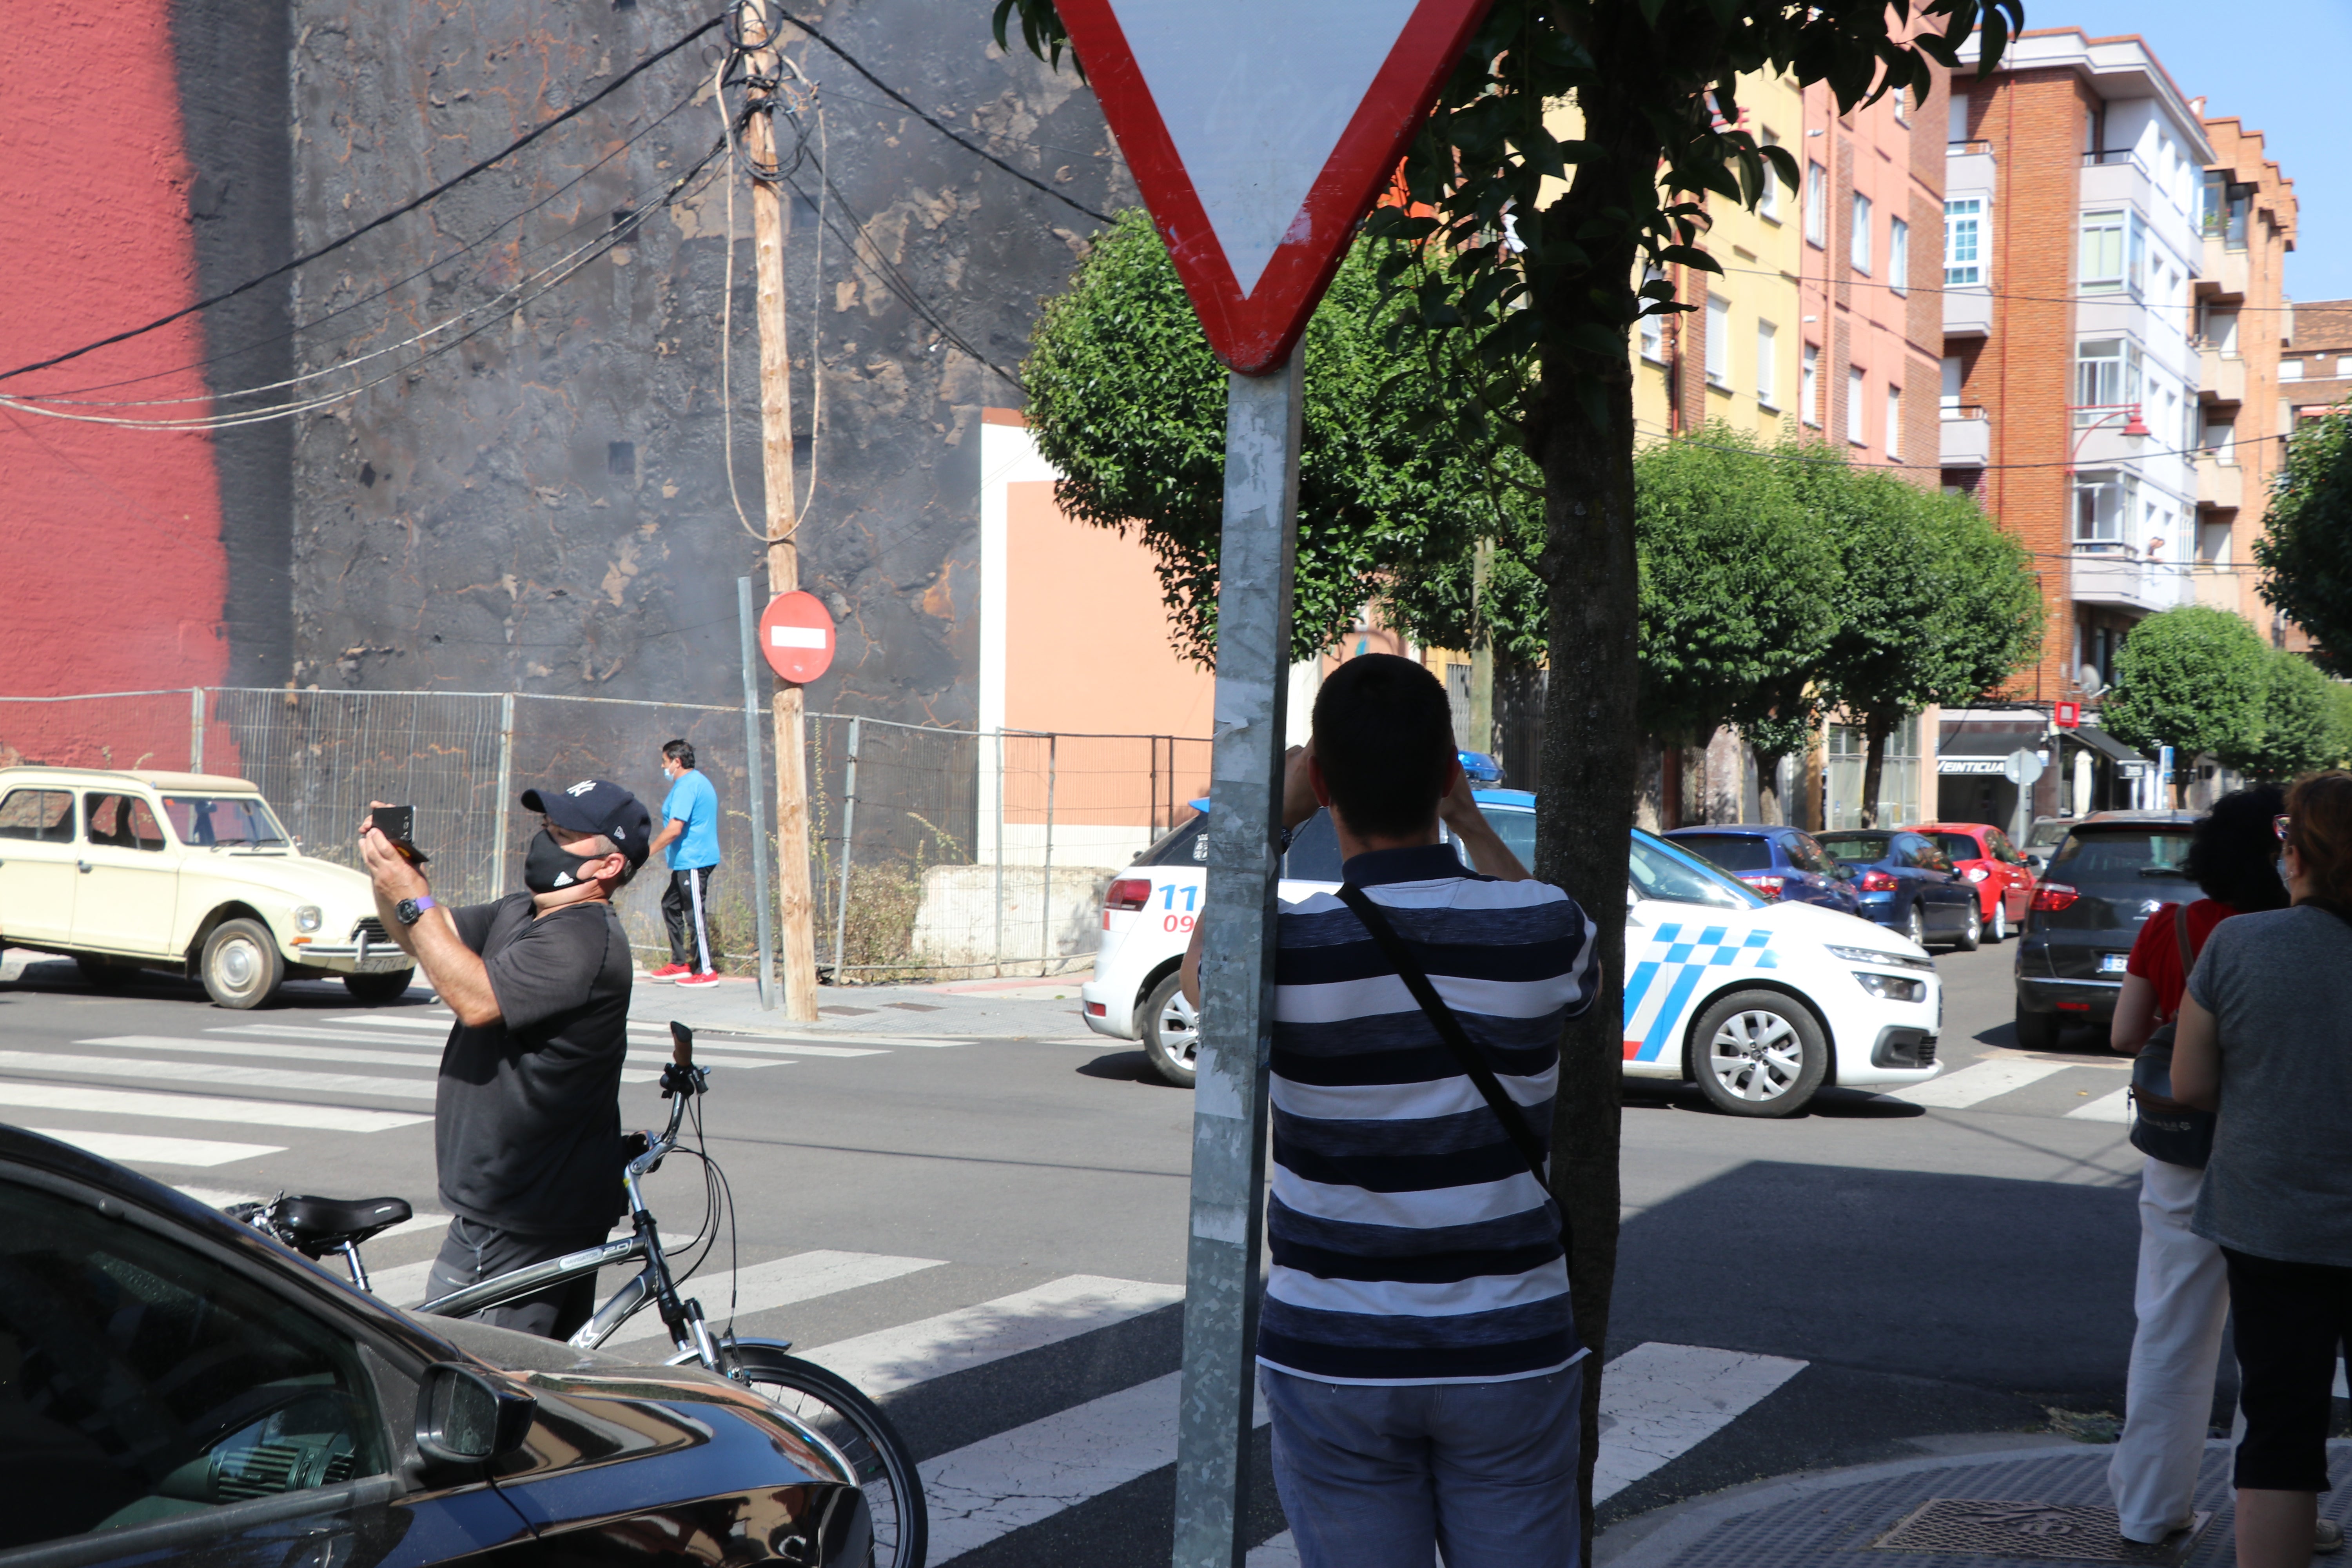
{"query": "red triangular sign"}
{"type": "Point", "coordinates": [1260, 131]}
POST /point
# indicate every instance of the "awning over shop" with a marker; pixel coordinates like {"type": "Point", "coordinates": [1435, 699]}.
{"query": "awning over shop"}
{"type": "Point", "coordinates": [2107, 745]}
{"type": "Point", "coordinates": [1981, 745]}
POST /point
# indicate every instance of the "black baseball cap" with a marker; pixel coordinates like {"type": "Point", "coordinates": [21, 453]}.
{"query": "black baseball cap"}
{"type": "Point", "coordinates": [598, 806]}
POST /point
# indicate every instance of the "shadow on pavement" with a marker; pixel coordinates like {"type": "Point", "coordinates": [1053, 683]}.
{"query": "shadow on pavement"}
{"type": "Point", "coordinates": [1125, 1067]}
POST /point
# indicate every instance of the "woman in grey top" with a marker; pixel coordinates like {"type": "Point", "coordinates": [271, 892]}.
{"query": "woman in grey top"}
{"type": "Point", "coordinates": [2266, 1038]}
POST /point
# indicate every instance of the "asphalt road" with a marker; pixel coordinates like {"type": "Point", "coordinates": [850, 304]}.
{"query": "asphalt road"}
{"type": "Point", "coordinates": [1902, 1269]}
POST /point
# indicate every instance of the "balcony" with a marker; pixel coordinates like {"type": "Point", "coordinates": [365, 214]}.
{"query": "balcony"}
{"type": "Point", "coordinates": [2222, 276]}
{"type": "Point", "coordinates": [2122, 578]}
{"type": "Point", "coordinates": [2220, 485]}
{"type": "Point", "coordinates": [2220, 377]}
{"type": "Point", "coordinates": [1967, 437]}
{"type": "Point", "coordinates": [1967, 313]}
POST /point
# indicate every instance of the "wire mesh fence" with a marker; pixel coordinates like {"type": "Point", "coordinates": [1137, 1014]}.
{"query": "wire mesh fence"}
{"type": "Point", "coordinates": [934, 853]}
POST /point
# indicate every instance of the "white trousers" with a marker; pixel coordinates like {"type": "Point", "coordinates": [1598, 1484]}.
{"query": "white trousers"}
{"type": "Point", "coordinates": [2182, 1298]}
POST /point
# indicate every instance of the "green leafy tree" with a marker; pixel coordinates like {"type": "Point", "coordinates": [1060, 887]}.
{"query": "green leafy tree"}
{"type": "Point", "coordinates": [1738, 589]}
{"type": "Point", "coordinates": [1126, 401]}
{"type": "Point", "coordinates": [2298, 721]}
{"type": "Point", "coordinates": [2339, 725]}
{"type": "Point", "coordinates": [2195, 678]}
{"type": "Point", "coordinates": [2305, 548]}
{"type": "Point", "coordinates": [1539, 312]}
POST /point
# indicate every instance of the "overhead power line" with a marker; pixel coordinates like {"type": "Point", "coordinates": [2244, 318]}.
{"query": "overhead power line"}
{"type": "Point", "coordinates": [378, 222]}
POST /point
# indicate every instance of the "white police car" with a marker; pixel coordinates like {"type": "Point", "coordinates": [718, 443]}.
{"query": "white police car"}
{"type": "Point", "coordinates": [1757, 1002]}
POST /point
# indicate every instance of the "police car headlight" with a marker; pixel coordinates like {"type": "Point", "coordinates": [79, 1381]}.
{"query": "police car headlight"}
{"type": "Point", "coordinates": [310, 917]}
{"type": "Point", "coordinates": [1874, 955]}
{"type": "Point", "coordinates": [1892, 987]}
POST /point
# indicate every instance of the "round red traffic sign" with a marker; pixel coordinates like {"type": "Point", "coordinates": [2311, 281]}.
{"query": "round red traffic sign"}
{"type": "Point", "coordinates": [796, 633]}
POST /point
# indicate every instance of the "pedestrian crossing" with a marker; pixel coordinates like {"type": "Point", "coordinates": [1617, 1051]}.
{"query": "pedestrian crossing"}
{"type": "Point", "coordinates": [131, 1097]}
{"type": "Point", "coordinates": [2088, 1089]}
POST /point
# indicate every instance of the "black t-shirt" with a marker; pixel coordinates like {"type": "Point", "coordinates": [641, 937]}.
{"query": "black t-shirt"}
{"type": "Point", "coordinates": [526, 1124]}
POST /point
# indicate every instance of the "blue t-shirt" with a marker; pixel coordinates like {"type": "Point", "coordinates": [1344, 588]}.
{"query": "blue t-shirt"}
{"type": "Point", "coordinates": [692, 801]}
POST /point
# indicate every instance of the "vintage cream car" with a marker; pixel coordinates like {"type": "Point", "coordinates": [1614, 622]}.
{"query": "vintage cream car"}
{"type": "Point", "coordinates": [133, 870]}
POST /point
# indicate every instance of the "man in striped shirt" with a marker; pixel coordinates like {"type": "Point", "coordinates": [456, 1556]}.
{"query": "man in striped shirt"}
{"type": "Point", "coordinates": [1418, 1351]}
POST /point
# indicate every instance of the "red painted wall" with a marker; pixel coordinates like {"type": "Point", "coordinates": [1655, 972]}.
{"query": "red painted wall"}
{"type": "Point", "coordinates": [114, 573]}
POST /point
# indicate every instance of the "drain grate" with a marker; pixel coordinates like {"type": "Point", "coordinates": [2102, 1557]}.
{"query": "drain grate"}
{"type": "Point", "coordinates": [2032, 1531]}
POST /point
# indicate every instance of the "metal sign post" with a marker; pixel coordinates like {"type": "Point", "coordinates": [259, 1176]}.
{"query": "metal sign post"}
{"type": "Point", "coordinates": [1228, 1114]}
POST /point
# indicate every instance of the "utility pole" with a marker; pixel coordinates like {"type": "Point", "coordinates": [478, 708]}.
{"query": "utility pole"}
{"type": "Point", "coordinates": [796, 908]}
{"type": "Point", "coordinates": [1482, 655]}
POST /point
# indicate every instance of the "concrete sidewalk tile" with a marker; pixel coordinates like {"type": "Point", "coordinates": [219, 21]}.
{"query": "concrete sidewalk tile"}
{"type": "Point", "coordinates": [1824, 1521]}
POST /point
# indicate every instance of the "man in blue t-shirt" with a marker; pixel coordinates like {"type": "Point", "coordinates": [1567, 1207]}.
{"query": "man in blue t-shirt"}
{"type": "Point", "coordinates": [689, 833]}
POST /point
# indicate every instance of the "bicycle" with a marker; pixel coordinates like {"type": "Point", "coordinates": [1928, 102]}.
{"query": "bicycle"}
{"type": "Point", "coordinates": [810, 1394]}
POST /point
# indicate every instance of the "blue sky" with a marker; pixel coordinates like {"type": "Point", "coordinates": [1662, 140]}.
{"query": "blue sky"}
{"type": "Point", "coordinates": [2279, 65]}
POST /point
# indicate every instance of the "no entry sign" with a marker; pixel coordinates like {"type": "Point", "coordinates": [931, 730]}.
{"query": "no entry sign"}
{"type": "Point", "coordinates": [796, 635]}
{"type": "Point", "coordinates": [1260, 131]}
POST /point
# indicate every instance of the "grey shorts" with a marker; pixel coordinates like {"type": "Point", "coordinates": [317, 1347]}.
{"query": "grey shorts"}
{"type": "Point", "coordinates": [473, 1252]}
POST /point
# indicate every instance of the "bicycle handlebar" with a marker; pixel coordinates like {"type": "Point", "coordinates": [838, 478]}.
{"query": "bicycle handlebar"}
{"type": "Point", "coordinates": [681, 1047]}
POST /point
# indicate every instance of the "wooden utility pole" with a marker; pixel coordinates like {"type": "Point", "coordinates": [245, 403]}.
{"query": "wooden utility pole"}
{"type": "Point", "coordinates": [796, 909]}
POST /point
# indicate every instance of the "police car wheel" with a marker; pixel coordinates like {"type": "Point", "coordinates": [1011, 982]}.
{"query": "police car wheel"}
{"type": "Point", "coordinates": [1171, 1031]}
{"type": "Point", "coordinates": [1759, 1053]}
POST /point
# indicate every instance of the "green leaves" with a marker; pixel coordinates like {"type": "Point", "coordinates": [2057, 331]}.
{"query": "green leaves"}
{"type": "Point", "coordinates": [2195, 678]}
{"type": "Point", "coordinates": [2305, 551]}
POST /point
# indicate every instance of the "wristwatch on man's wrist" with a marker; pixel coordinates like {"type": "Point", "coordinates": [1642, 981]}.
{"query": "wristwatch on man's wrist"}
{"type": "Point", "coordinates": [411, 910]}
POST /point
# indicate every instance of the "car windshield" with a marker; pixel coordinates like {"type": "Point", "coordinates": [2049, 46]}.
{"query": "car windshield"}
{"type": "Point", "coordinates": [1660, 870]}
{"type": "Point", "coordinates": [1732, 851]}
{"type": "Point", "coordinates": [1860, 848]}
{"type": "Point", "coordinates": [2094, 854]}
{"type": "Point", "coordinates": [1959, 846]}
{"type": "Point", "coordinates": [214, 821]}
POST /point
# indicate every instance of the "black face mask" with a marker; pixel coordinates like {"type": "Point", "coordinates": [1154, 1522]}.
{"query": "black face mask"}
{"type": "Point", "coordinates": [546, 865]}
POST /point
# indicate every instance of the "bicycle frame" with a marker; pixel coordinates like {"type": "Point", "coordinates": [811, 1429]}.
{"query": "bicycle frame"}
{"type": "Point", "coordinates": [682, 1316]}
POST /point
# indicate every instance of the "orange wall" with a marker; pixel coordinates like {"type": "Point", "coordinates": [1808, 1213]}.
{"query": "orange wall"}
{"type": "Point", "coordinates": [1087, 646]}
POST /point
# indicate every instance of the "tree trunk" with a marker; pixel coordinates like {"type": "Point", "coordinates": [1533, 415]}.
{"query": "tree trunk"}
{"type": "Point", "coordinates": [1875, 730]}
{"type": "Point", "coordinates": [1768, 789]}
{"type": "Point", "coordinates": [1585, 813]}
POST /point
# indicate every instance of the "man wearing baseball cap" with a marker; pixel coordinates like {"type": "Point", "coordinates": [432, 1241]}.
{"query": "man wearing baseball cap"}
{"type": "Point", "coordinates": [527, 1117]}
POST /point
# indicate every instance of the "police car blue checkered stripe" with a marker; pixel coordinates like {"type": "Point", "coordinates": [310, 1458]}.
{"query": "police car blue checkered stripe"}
{"type": "Point", "coordinates": [1684, 963]}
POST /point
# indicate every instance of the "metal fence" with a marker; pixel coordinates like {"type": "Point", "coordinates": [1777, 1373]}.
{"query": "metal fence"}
{"type": "Point", "coordinates": [934, 852]}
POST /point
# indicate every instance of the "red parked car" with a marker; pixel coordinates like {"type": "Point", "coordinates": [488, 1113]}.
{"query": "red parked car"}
{"type": "Point", "coordinates": [1983, 856]}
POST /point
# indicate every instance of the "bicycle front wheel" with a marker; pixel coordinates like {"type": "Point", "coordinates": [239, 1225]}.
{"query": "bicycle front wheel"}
{"type": "Point", "coordinates": [853, 1423]}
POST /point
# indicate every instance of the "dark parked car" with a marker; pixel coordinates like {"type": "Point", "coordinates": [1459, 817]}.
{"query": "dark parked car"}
{"type": "Point", "coordinates": [1778, 862]}
{"type": "Point", "coordinates": [1907, 883]}
{"type": "Point", "coordinates": [2109, 874]}
{"type": "Point", "coordinates": [178, 1388]}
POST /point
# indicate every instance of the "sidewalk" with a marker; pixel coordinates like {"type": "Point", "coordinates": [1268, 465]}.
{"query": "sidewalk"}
{"type": "Point", "coordinates": [2034, 1500]}
{"type": "Point", "coordinates": [964, 1009]}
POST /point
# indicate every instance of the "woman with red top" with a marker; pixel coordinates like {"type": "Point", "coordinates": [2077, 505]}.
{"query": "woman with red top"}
{"type": "Point", "coordinates": [2182, 1294]}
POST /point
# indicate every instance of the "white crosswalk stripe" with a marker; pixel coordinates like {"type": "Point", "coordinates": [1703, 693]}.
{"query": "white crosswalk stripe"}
{"type": "Point", "coordinates": [1974, 1084]}
{"type": "Point", "coordinates": [56, 1063]}
{"type": "Point", "coordinates": [2115, 1107]}
{"type": "Point", "coordinates": [640, 1033]}
{"type": "Point", "coordinates": [201, 1108]}
{"type": "Point", "coordinates": [892, 1359]}
{"type": "Point", "coordinates": [800, 1278]}
{"type": "Point", "coordinates": [148, 1149]}
{"type": "Point", "coordinates": [1659, 1402]}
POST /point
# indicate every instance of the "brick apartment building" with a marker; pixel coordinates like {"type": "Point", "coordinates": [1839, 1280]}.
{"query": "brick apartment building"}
{"type": "Point", "coordinates": [2083, 304]}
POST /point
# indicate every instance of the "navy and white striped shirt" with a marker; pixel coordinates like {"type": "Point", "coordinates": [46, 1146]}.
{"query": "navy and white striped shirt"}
{"type": "Point", "coordinates": [1410, 1242]}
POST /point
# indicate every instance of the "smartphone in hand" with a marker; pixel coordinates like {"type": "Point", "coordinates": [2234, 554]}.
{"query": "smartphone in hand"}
{"type": "Point", "coordinates": [398, 823]}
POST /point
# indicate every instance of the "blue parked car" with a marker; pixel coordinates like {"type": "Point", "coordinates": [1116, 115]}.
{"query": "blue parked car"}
{"type": "Point", "coordinates": [1910, 885]}
{"type": "Point", "coordinates": [1778, 862]}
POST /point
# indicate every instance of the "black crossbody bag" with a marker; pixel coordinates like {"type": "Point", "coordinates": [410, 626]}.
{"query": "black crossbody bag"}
{"type": "Point", "coordinates": [1449, 1029]}
{"type": "Point", "coordinates": [2182, 1137]}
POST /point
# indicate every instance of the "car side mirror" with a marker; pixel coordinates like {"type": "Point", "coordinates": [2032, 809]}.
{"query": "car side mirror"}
{"type": "Point", "coordinates": [2034, 863]}
{"type": "Point", "coordinates": [467, 1417]}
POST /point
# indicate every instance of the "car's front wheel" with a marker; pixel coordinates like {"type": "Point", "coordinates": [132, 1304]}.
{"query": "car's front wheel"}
{"type": "Point", "coordinates": [1171, 1031]}
{"type": "Point", "coordinates": [1759, 1053]}
{"type": "Point", "coordinates": [1971, 934]}
{"type": "Point", "coordinates": [1915, 925]}
{"type": "Point", "coordinates": [241, 966]}
{"type": "Point", "coordinates": [2000, 931]}
{"type": "Point", "coordinates": [2037, 1031]}
{"type": "Point", "coordinates": [375, 989]}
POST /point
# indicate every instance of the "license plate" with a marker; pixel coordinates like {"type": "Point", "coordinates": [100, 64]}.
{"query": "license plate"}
{"type": "Point", "coordinates": [2113, 963]}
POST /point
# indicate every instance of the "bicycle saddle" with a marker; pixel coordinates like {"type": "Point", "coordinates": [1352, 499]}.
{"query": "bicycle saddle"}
{"type": "Point", "coordinates": [321, 1225]}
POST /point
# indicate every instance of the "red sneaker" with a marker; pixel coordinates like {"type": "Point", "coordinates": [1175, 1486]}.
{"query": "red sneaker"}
{"type": "Point", "coordinates": [708, 977]}
{"type": "Point", "coordinates": [667, 972]}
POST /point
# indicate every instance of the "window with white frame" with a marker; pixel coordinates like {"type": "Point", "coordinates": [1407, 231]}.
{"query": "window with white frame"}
{"type": "Point", "coordinates": [2106, 375]}
{"type": "Point", "coordinates": [2343, 364]}
{"type": "Point", "coordinates": [1809, 387]}
{"type": "Point", "coordinates": [1855, 385]}
{"type": "Point", "coordinates": [1895, 422]}
{"type": "Point", "coordinates": [2290, 370]}
{"type": "Point", "coordinates": [1817, 204]}
{"type": "Point", "coordinates": [1767, 364]}
{"type": "Point", "coordinates": [2103, 504]}
{"type": "Point", "coordinates": [1768, 201]}
{"type": "Point", "coordinates": [1964, 242]}
{"type": "Point", "coordinates": [2114, 253]}
{"type": "Point", "coordinates": [1948, 396]}
{"type": "Point", "coordinates": [1858, 250]}
{"type": "Point", "coordinates": [1898, 256]}
{"type": "Point", "coordinates": [1718, 341]}
{"type": "Point", "coordinates": [1652, 331]}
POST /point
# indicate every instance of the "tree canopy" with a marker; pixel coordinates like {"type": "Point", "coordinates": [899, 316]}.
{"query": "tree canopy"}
{"type": "Point", "coordinates": [2298, 721]}
{"type": "Point", "coordinates": [2305, 548]}
{"type": "Point", "coordinates": [2195, 678]}
{"type": "Point", "coordinates": [1126, 401]}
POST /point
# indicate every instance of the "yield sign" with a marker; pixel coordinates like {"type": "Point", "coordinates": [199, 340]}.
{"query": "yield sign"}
{"type": "Point", "coordinates": [1260, 130]}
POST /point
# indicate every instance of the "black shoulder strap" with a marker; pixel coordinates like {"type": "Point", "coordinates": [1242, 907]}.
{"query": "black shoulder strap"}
{"type": "Point", "coordinates": [1449, 1029]}
{"type": "Point", "coordinates": [2180, 930]}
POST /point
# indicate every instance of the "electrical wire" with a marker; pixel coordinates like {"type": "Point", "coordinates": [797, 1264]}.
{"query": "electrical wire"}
{"type": "Point", "coordinates": [406, 207]}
